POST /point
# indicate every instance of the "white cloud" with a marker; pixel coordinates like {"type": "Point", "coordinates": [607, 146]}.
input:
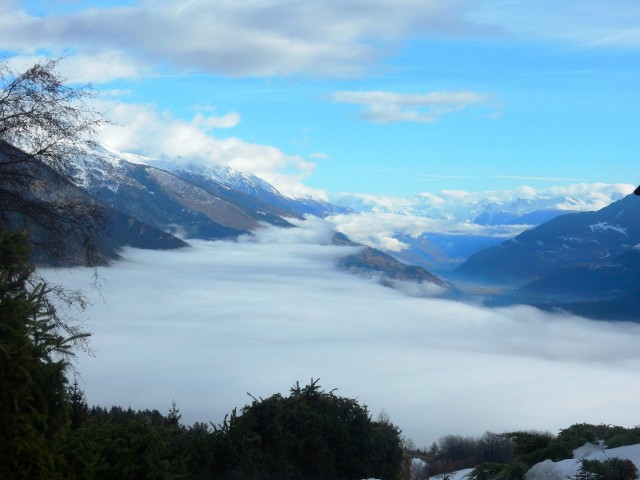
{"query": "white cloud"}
{"type": "Point", "coordinates": [210, 122]}
{"type": "Point", "coordinates": [85, 68]}
{"type": "Point", "coordinates": [377, 203]}
{"type": "Point", "coordinates": [144, 130]}
{"type": "Point", "coordinates": [378, 219]}
{"type": "Point", "coordinates": [629, 37]}
{"type": "Point", "coordinates": [311, 230]}
{"type": "Point", "coordinates": [263, 37]}
{"type": "Point", "coordinates": [207, 324]}
{"type": "Point", "coordinates": [388, 107]}
{"type": "Point", "coordinates": [594, 195]}
{"type": "Point", "coordinates": [378, 229]}
{"type": "Point", "coordinates": [267, 37]}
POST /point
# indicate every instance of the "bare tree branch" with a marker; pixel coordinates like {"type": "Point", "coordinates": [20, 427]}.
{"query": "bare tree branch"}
{"type": "Point", "coordinates": [43, 123]}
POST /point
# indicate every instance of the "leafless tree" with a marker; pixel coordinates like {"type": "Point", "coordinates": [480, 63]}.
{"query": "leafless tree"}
{"type": "Point", "coordinates": [43, 122]}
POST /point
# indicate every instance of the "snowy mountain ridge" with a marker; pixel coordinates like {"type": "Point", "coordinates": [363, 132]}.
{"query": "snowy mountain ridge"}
{"type": "Point", "coordinates": [476, 208]}
{"type": "Point", "coordinates": [98, 167]}
{"type": "Point", "coordinates": [100, 155]}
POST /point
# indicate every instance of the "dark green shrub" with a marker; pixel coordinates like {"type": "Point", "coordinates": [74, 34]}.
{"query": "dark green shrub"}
{"type": "Point", "coordinates": [498, 471]}
{"type": "Point", "coordinates": [610, 469]}
{"type": "Point", "coordinates": [311, 434]}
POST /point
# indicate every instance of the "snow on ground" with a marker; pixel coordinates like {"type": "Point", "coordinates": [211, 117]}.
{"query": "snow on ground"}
{"type": "Point", "coordinates": [549, 470]}
{"type": "Point", "coordinates": [458, 475]}
{"type": "Point", "coordinates": [564, 469]}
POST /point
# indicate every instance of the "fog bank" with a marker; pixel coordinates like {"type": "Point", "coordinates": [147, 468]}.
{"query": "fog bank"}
{"type": "Point", "coordinates": [205, 325]}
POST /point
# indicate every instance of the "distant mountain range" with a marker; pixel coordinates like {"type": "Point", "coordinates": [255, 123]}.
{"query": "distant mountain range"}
{"type": "Point", "coordinates": [587, 262]}
{"type": "Point", "coordinates": [146, 206]}
{"type": "Point", "coordinates": [463, 228]}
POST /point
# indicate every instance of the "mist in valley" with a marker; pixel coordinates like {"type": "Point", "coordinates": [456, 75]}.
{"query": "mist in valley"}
{"type": "Point", "coordinates": [208, 324]}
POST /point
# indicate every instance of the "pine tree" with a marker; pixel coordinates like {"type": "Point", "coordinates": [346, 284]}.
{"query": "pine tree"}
{"type": "Point", "coordinates": [33, 365]}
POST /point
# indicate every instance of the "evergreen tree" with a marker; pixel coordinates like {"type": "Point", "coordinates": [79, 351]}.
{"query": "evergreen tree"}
{"type": "Point", "coordinates": [311, 434]}
{"type": "Point", "coordinates": [34, 357]}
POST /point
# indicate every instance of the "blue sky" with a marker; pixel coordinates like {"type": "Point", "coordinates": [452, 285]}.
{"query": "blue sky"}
{"type": "Point", "coordinates": [389, 98]}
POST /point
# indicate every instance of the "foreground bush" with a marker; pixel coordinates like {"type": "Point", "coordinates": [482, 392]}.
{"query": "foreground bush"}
{"type": "Point", "coordinates": [311, 434]}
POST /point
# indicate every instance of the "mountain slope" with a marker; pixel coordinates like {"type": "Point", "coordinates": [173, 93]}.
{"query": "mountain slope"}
{"type": "Point", "coordinates": [242, 187]}
{"type": "Point", "coordinates": [587, 263]}
{"type": "Point", "coordinates": [371, 261]}
{"type": "Point", "coordinates": [65, 223]}
{"type": "Point", "coordinates": [212, 203]}
{"type": "Point", "coordinates": [159, 198]}
{"type": "Point", "coordinates": [194, 201]}
{"type": "Point", "coordinates": [565, 241]}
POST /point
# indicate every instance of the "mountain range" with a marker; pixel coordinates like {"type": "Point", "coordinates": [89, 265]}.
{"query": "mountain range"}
{"type": "Point", "coordinates": [455, 230]}
{"type": "Point", "coordinates": [164, 205]}
{"type": "Point", "coordinates": [586, 262]}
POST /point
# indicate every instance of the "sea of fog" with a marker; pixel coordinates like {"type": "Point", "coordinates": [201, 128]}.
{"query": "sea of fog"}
{"type": "Point", "coordinates": [206, 325]}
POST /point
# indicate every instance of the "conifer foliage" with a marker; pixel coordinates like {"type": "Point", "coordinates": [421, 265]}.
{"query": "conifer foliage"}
{"type": "Point", "coordinates": [310, 434]}
{"type": "Point", "coordinates": [34, 354]}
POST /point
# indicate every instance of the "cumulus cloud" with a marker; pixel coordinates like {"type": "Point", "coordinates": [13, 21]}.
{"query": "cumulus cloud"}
{"type": "Point", "coordinates": [209, 122]}
{"type": "Point", "coordinates": [311, 230]}
{"type": "Point", "coordinates": [145, 130]}
{"type": "Point", "coordinates": [205, 325]}
{"type": "Point", "coordinates": [389, 107]}
{"type": "Point", "coordinates": [263, 37]}
{"type": "Point", "coordinates": [572, 197]}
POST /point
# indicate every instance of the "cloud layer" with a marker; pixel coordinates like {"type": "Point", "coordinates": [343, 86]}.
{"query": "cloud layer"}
{"type": "Point", "coordinates": [256, 38]}
{"type": "Point", "coordinates": [267, 37]}
{"type": "Point", "coordinates": [389, 107]}
{"type": "Point", "coordinates": [205, 325]}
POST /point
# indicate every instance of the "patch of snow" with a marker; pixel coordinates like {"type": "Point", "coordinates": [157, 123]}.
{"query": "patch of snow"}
{"type": "Point", "coordinates": [604, 226]}
{"type": "Point", "coordinates": [588, 449]}
{"type": "Point", "coordinates": [458, 475]}
{"type": "Point", "coordinates": [550, 470]}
